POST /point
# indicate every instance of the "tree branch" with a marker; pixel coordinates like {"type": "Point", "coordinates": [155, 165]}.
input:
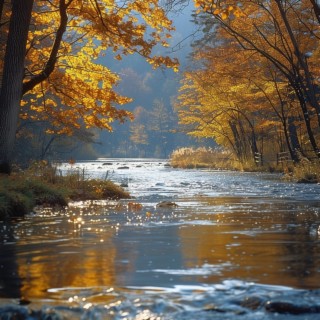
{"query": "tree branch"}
{"type": "Point", "coordinates": [51, 63]}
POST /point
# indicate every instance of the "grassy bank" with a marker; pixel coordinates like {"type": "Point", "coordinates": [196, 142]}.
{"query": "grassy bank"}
{"type": "Point", "coordinates": [42, 185]}
{"type": "Point", "coordinates": [189, 158]}
{"type": "Point", "coordinates": [305, 171]}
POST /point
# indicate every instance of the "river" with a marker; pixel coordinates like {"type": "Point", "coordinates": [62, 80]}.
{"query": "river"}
{"type": "Point", "coordinates": [236, 246]}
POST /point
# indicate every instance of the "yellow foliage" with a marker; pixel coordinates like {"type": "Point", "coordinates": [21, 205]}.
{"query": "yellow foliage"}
{"type": "Point", "coordinates": [80, 91]}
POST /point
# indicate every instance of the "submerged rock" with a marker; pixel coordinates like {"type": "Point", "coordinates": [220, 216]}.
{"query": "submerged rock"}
{"type": "Point", "coordinates": [166, 204]}
{"type": "Point", "coordinates": [291, 308]}
{"type": "Point", "coordinates": [306, 180]}
{"type": "Point", "coordinates": [23, 313]}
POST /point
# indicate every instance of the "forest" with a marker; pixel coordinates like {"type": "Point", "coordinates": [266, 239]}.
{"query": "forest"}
{"type": "Point", "coordinates": [250, 83]}
{"type": "Point", "coordinates": [159, 159]}
{"type": "Point", "coordinates": [254, 82]}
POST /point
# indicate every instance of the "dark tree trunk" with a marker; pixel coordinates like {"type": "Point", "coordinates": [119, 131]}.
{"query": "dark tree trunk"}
{"type": "Point", "coordinates": [292, 151]}
{"type": "Point", "coordinates": [237, 141]}
{"type": "Point", "coordinates": [294, 141]}
{"type": "Point", "coordinates": [1, 8]}
{"type": "Point", "coordinates": [316, 9]}
{"type": "Point", "coordinates": [13, 71]}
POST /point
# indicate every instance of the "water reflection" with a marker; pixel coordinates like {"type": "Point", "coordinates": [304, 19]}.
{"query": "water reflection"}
{"type": "Point", "coordinates": [55, 252]}
{"type": "Point", "coordinates": [304, 248]}
{"type": "Point", "coordinates": [10, 281]}
{"type": "Point", "coordinates": [265, 243]}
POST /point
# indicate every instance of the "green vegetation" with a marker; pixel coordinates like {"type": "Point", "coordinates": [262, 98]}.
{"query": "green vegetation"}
{"type": "Point", "coordinates": [42, 185]}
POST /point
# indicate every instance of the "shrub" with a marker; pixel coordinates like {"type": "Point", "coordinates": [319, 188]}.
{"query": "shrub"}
{"type": "Point", "coordinates": [305, 171]}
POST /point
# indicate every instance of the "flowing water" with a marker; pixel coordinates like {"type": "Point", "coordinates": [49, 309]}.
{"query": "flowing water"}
{"type": "Point", "coordinates": [236, 246]}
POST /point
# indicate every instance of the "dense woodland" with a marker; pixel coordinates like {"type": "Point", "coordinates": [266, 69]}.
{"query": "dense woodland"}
{"type": "Point", "coordinates": [251, 85]}
{"type": "Point", "coordinates": [254, 82]}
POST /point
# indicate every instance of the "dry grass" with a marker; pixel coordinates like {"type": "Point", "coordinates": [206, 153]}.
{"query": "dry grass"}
{"type": "Point", "coordinates": [305, 171]}
{"type": "Point", "coordinates": [214, 159]}
{"type": "Point", "coordinates": [188, 158]}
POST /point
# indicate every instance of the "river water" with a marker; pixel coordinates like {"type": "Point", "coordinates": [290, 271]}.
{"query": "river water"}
{"type": "Point", "coordinates": [236, 246]}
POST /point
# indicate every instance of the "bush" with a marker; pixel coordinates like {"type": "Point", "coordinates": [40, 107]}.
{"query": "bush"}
{"type": "Point", "coordinates": [94, 189]}
{"type": "Point", "coordinates": [305, 171]}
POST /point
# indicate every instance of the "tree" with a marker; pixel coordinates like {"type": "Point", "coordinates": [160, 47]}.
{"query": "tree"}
{"type": "Point", "coordinates": [60, 79]}
{"type": "Point", "coordinates": [12, 75]}
{"type": "Point", "coordinates": [282, 34]}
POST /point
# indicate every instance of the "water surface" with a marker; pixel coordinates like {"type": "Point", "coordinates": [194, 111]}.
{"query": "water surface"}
{"type": "Point", "coordinates": [234, 244]}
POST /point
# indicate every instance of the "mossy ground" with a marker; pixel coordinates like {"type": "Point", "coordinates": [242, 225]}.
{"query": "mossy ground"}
{"type": "Point", "coordinates": [41, 185]}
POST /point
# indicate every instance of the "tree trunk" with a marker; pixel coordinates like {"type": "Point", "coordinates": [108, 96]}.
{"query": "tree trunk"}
{"type": "Point", "coordinates": [294, 141]}
{"type": "Point", "coordinates": [237, 141]}
{"type": "Point", "coordinates": [305, 80]}
{"type": "Point", "coordinates": [316, 9]}
{"type": "Point", "coordinates": [13, 71]}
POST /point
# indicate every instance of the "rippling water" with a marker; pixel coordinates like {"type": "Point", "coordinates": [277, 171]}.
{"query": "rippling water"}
{"type": "Point", "coordinates": [238, 245]}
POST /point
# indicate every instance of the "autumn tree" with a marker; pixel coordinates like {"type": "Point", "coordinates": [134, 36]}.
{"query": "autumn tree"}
{"type": "Point", "coordinates": [54, 69]}
{"type": "Point", "coordinates": [251, 77]}
{"type": "Point", "coordinates": [284, 33]}
{"type": "Point", "coordinates": [213, 102]}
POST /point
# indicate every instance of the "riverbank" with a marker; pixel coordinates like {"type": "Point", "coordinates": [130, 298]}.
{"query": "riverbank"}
{"type": "Point", "coordinates": [305, 171]}
{"type": "Point", "coordinates": [41, 185]}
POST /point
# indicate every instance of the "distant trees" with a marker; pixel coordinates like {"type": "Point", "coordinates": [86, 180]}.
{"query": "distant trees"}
{"type": "Point", "coordinates": [257, 77]}
{"type": "Point", "coordinates": [53, 68]}
{"type": "Point", "coordinates": [151, 131]}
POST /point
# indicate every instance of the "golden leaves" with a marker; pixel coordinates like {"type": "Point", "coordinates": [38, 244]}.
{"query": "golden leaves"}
{"type": "Point", "coordinates": [81, 92]}
{"type": "Point", "coordinates": [223, 10]}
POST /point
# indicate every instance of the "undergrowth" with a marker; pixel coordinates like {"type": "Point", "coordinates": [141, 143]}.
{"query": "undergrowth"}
{"type": "Point", "coordinates": [190, 158]}
{"type": "Point", "coordinates": [42, 184]}
{"type": "Point", "coordinates": [305, 171]}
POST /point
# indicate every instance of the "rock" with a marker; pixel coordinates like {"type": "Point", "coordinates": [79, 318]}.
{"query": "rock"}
{"type": "Point", "coordinates": [166, 204]}
{"type": "Point", "coordinates": [305, 180]}
{"type": "Point", "coordinates": [290, 308]}
{"type": "Point", "coordinates": [124, 167]}
{"type": "Point", "coordinates": [134, 206]}
{"type": "Point", "coordinates": [107, 164]}
{"type": "Point", "coordinates": [252, 303]}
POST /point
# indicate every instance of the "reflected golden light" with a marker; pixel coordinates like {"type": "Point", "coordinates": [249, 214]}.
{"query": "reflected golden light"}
{"type": "Point", "coordinates": [72, 262]}
{"type": "Point", "coordinates": [249, 243]}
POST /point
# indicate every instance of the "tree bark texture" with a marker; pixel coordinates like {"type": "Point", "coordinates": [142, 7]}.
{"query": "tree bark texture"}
{"type": "Point", "coordinates": [13, 71]}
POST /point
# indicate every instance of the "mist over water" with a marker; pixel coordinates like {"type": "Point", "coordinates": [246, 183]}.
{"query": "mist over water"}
{"type": "Point", "coordinates": [236, 245]}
